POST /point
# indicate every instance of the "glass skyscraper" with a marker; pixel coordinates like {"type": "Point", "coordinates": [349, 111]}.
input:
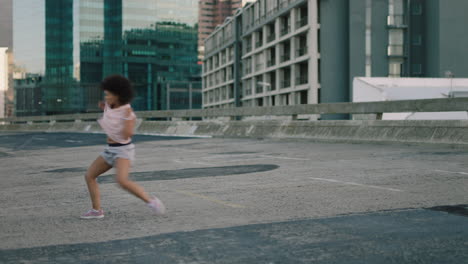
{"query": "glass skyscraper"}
{"type": "Point", "coordinates": [64, 48]}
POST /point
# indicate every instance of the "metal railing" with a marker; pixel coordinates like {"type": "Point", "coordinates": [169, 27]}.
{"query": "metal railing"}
{"type": "Point", "coordinates": [286, 84]}
{"type": "Point", "coordinates": [421, 105]}
{"type": "Point", "coordinates": [396, 50]}
{"type": "Point", "coordinates": [285, 31]}
{"type": "Point", "coordinates": [302, 22]}
{"type": "Point", "coordinates": [259, 88]}
{"type": "Point", "coordinates": [302, 80]}
{"type": "Point", "coordinates": [301, 51]}
{"type": "Point", "coordinates": [271, 62]}
{"type": "Point", "coordinates": [259, 66]}
{"type": "Point", "coordinates": [285, 57]}
{"type": "Point", "coordinates": [271, 37]}
{"type": "Point", "coordinates": [396, 21]}
{"type": "Point", "coordinates": [258, 44]}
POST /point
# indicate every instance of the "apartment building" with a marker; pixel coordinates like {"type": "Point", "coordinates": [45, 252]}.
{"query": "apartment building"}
{"type": "Point", "coordinates": [212, 13]}
{"type": "Point", "coordinates": [276, 59]}
{"type": "Point", "coordinates": [221, 70]}
{"type": "Point", "coordinates": [265, 55]}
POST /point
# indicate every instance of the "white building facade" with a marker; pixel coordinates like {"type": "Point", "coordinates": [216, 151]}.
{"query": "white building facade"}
{"type": "Point", "coordinates": [273, 60]}
{"type": "Point", "coordinates": [3, 79]}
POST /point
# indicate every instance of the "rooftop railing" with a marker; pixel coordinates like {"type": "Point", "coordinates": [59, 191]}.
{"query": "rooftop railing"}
{"type": "Point", "coordinates": [421, 105]}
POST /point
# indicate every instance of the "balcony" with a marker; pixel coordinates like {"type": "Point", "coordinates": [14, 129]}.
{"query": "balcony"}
{"type": "Point", "coordinates": [258, 44]}
{"type": "Point", "coordinates": [271, 37]}
{"type": "Point", "coordinates": [396, 21]}
{"type": "Point", "coordinates": [396, 51]}
{"type": "Point", "coordinates": [285, 57]}
{"type": "Point", "coordinates": [271, 62]}
{"type": "Point", "coordinates": [285, 31]}
{"type": "Point", "coordinates": [284, 4]}
{"type": "Point", "coordinates": [302, 80]}
{"type": "Point", "coordinates": [259, 88]}
{"type": "Point", "coordinates": [259, 66]}
{"type": "Point", "coordinates": [248, 48]}
{"type": "Point", "coordinates": [302, 22]}
{"type": "Point", "coordinates": [272, 86]}
{"type": "Point", "coordinates": [301, 51]}
{"type": "Point", "coordinates": [286, 84]}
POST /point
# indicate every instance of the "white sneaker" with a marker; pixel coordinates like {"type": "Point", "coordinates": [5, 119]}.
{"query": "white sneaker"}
{"type": "Point", "coordinates": [93, 214]}
{"type": "Point", "coordinates": [157, 206]}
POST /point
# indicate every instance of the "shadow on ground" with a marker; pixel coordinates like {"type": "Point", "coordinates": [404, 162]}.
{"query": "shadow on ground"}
{"type": "Point", "coordinates": [32, 141]}
{"type": "Point", "coordinates": [192, 173]}
{"type": "Point", "coordinates": [405, 236]}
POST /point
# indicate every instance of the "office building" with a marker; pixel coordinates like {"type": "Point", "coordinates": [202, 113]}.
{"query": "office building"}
{"type": "Point", "coordinates": [6, 45]}
{"type": "Point", "coordinates": [213, 13]}
{"type": "Point", "coordinates": [6, 31]}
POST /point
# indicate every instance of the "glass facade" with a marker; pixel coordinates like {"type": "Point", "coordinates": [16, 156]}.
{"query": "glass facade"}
{"type": "Point", "coordinates": [69, 46]}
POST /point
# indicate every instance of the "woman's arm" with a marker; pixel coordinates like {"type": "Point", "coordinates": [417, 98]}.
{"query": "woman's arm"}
{"type": "Point", "coordinates": [129, 124]}
{"type": "Point", "coordinates": [101, 105]}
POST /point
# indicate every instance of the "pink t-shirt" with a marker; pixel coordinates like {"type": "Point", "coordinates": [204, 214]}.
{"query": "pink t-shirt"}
{"type": "Point", "coordinates": [112, 122]}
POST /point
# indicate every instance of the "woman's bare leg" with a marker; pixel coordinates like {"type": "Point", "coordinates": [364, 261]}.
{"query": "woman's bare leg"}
{"type": "Point", "coordinates": [98, 167]}
{"type": "Point", "coordinates": [123, 168]}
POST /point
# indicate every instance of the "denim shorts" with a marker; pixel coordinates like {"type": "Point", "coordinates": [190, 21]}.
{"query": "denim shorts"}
{"type": "Point", "coordinates": [111, 154]}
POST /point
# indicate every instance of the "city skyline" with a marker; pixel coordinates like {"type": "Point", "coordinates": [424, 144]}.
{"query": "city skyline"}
{"type": "Point", "coordinates": [77, 43]}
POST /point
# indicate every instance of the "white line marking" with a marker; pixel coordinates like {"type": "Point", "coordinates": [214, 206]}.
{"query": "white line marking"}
{"type": "Point", "coordinates": [204, 197]}
{"type": "Point", "coordinates": [242, 160]}
{"type": "Point", "coordinates": [73, 141]}
{"type": "Point", "coordinates": [278, 157]}
{"type": "Point", "coordinates": [357, 184]}
{"type": "Point", "coordinates": [172, 135]}
{"type": "Point", "coordinates": [251, 155]}
{"type": "Point", "coordinates": [193, 162]}
{"type": "Point", "coordinates": [455, 172]}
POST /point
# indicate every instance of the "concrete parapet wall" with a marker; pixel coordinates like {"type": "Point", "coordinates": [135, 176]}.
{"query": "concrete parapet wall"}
{"type": "Point", "coordinates": [454, 132]}
{"type": "Point", "coordinates": [421, 105]}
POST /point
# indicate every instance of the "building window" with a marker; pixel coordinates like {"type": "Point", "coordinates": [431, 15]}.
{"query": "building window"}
{"type": "Point", "coordinates": [319, 69]}
{"type": "Point", "coordinates": [318, 41]}
{"type": "Point", "coordinates": [417, 40]}
{"type": "Point", "coordinates": [416, 68]}
{"type": "Point", "coordinates": [318, 11]}
{"type": "Point", "coordinates": [395, 69]}
{"type": "Point", "coordinates": [416, 9]}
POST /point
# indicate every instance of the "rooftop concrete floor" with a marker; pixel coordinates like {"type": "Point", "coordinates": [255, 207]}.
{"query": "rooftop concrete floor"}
{"type": "Point", "coordinates": [235, 201]}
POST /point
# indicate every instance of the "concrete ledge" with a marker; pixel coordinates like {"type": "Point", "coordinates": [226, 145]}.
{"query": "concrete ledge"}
{"type": "Point", "coordinates": [452, 132]}
{"type": "Point", "coordinates": [420, 105]}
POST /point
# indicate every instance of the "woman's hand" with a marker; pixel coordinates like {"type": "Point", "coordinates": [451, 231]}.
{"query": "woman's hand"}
{"type": "Point", "coordinates": [101, 105]}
